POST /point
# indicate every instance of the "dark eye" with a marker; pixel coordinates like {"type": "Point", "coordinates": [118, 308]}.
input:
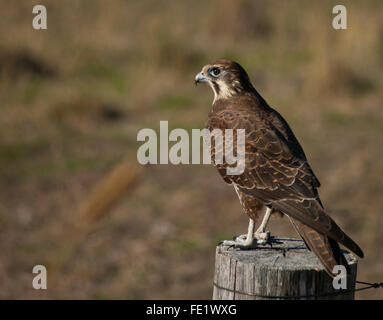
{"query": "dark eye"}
{"type": "Point", "coordinates": [215, 71]}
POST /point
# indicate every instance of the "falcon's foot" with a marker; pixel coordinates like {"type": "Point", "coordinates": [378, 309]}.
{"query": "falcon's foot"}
{"type": "Point", "coordinates": [240, 242]}
{"type": "Point", "coordinates": [262, 237]}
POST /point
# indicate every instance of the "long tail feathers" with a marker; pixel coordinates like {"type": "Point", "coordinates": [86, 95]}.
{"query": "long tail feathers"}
{"type": "Point", "coordinates": [326, 249]}
{"type": "Point", "coordinates": [312, 214]}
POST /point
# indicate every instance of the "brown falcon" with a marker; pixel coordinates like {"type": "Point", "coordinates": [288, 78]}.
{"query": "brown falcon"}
{"type": "Point", "coordinates": [277, 176]}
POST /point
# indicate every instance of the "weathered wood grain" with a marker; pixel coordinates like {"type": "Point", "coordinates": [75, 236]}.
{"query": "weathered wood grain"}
{"type": "Point", "coordinates": [286, 269]}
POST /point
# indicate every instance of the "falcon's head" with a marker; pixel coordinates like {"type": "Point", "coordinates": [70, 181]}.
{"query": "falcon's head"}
{"type": "Point", "coordinates": [226, 78]}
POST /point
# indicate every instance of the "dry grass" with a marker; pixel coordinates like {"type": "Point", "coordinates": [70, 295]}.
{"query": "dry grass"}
{"type": "Point", "coordinates": [73, 98]}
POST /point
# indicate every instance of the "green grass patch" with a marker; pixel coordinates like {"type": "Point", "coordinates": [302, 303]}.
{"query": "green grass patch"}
{"type": "Point", "coordinates": [183, 245]}
{"type": "Point", "coordinates": [21, 150]}
{"type": "Point", "coordinates": [336, 117]}
{"type": "Point", "coordinates": [106, 72]}
{"type": "Point", "coordinates": [31, 90]}
{"type": "Point", "coordinates": [171, 102]}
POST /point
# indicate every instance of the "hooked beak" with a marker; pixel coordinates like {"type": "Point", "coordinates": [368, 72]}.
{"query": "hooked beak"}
{"type": "Point", "coordinates": [201, 77]}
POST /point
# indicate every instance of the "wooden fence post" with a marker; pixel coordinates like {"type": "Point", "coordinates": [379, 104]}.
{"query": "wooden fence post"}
{"type": "Point", "coordinates": [286, 269]}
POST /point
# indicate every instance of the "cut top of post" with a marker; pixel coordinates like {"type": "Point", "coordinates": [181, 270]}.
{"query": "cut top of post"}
{"type": "Point", "coordinates": [286, 253]}
{"type": "Point", "coordinates": [283, 269]}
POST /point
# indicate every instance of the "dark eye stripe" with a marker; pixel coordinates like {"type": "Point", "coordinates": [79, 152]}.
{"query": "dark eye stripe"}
{"type": "Point", "coordinates": [216, 87]}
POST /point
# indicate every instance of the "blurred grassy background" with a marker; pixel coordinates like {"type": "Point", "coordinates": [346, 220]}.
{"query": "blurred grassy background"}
{"type": "Point", "coordinates": [74, 96]}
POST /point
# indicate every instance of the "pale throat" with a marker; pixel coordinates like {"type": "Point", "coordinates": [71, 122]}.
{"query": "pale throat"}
{"type": "Point", "coordinates": [223, 91]}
